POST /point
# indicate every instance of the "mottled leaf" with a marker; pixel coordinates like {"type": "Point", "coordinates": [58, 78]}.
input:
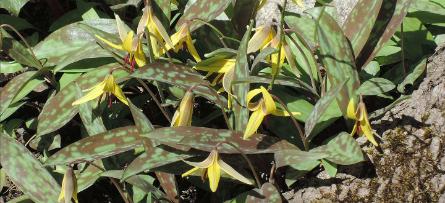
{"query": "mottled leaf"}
{"type": "Point", "coordinates": [98, 146]}
{"type": "Point", "coordinates": [88, 176]}
{"type": "Point", "coordinates": [329, 167]}
{"type": "Point", "coordinates": [390, 16]}
{"type": "Point", "coordinates": [168, 183]}
{"type": "Point", "coordinates": [342, 149]}
{"type": "Point", "coordinates": [13, 6]}
{"type": "Point", "coordinates": [360, 21]}
{"type": "Point", "coordinates": [182, 76]}
{"type": "Point", "coordinates": [375, 86]}
{"type": "Point", "coordinates": [304, 26]}
{"type": "Point", "coordinates": [412, 76]}
{"type": "Point", "coordinates": [20, 53]}
{"type": "Point", "coordinates": [10, 90]}
{"type": "Point", "coordinates": [320, 108]}
{"type": "Point", "coordinates": [26, 172]}
{"type": "Point", "coordinates": [58, 110]}
{"type": "Point", "coordinates": [143, 182]}
{"type": "Point", "coordinates": [300, 160]}
{"type": "Point", "coordinates": [338, 59]}
{"type": "Point", "coordinates": [10, 67]}
{"type": "Point", "coordinates": [269, 193]}
{"type": "Point", "coordinates": [206, 10]}
{"type": "Point", "coordinates": [141, 121]}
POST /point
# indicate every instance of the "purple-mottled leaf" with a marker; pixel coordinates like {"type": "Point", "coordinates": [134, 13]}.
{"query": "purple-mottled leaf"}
{"type": "Point", "coordinates": [359, 24]}
{"type": "Point", "coordinates": [168, 183]}
{"type": "Point", "coordinates": [390, 16]}
{"type": "Point", "coordinates": [337, 58]}
{"type": "Point", "coordinates": [26, 172]}
{"type": "Point", "coordinates": [13, 87]}
{"type": "Point", "coordinates": [98, 146]}
{"type": "Point", "coordinates": [88, 176]}
{"type": "Point", "coordinates": [207, 138]}
{"type": "Point", "coordinates": [141, 121]}
{"type": "Point", "coordinates": [206, 10]}
{"type": "Point", "coordinates": [182, 76]}
{"type": "Point", "coordinates": [19, 53]}
{"type": "Point", "coordinates": [58, 110]}
{"type": "Point", "coordinates": [300, 160]}
{"type": "Point", "coordinates": [343, 149]}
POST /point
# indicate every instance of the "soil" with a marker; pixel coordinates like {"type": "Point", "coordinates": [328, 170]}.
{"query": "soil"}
{"type": "Point", "coordinates": [409, 164]}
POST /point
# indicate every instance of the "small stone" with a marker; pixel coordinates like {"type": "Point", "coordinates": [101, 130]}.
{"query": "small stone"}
{"type": "Point", "coordinates": [435, 148]}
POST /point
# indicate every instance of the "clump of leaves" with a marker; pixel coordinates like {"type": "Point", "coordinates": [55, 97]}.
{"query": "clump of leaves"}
{"type": "Point", "coordinates": [136, 92]}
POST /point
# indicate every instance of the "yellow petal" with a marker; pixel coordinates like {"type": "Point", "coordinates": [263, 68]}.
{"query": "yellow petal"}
{"type": "Point", "coordinates": [191, 171]}
{"type": "Point", "coordinates": [192, 48]}
{"type": "Point", "coordinates": [250, 95]}
{"type": "Point", "coordinates": [121, 28]}
{"type": "Point", "coordinates": [117, 91]}
{"type": "Point", "coordinates": [365, 126]}
{"type": "Point", "coordinates": [111, 44]}
{"type": "Point", "coordinates": [157, 25]}
{"type": "Point", "coordinates": [139, 56]}
{"type": "Point", "coordinates": [350, 111]}
{"type": "Point", "coordinates": [254, 122]}
{"type": "Point", "coordinates": [184, 117]}
{"type": "Point", "coordinates": [206, 163]}
{"type": "Point", "coordinates": [62, 191]}
{"type": "Point", "coordinates": [268, 101]}
{"type": "Point", "coordinates": [214, 173]}
{"type": "Point", "coordinates": [232, 172]}
{"type": "Point", "coordinates": [354, 129]}
{"type": "Point", "coordinates": [278, 112]}
{"type": "Point", "coordinates": [93, 94]}
{"type": "Point", "coordinates": [218, 66]}
{"type": "Point", "coordinates": [260, 39]}
{"type": "Point", "coordinates": [128, 42]}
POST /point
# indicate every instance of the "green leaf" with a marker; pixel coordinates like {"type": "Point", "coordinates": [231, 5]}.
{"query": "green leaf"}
{"type": "Point", "coordinates": [11, 89]}
{"type": "Point", "coordinates": [16, 22]}
{"type": "Point", "coordinates": [29, 86]}
{"type": "Point", "coordinates": [360, 22]}
{"type": "Point", "coordinates": [320, 108]}
{"type": "Point", "coordinates": [207, 138]}
{"type": "Point", "coordinates": [241, 72]}
{"type": "Point", "coordinates": [27, 172]}
{"type": "Point", "coordinates": [21, 199]}
{"type": "Point", "coordinates": [91, 121]}
{"type": "Point", "coordinates": [98, 146]}
{"type": "Point", "coordinates": [2, 179]}
{"type": "Point", "coordinates": [58, 110]}
{"type": "Point", "coordinates": [427, 11]}
{"type": "Point", "coordinates": [182, 76]}
{"type": "Point", "coordinates": [300, 160]}
{"type": "Point", "coordinates": [206, 10]}
{"type": "Point", "coordinates": [331, 168]}
{"type": "Point", "coordinates": [304, 26]}
{"type": "Point", "coordinates": [143, 182]}
{"type": "Point", "coordinates": [141, 121]}
{"type": "Point", "coordinates": [88, 176]}
{"type": "Point", "coordinates": [412, 76]}
{"type": "Point", "coordinates": [375, 86]}
{"type": "Point", "coordinates": [337, 57]}
{"type": "Point", "coordinates": [72, 43]}
{"type": "Point", "coordinates": [20, 53]}
{"type": "Point", "coordinates": [13, 6]}
{"type": "Point", "coordinates": [343, 149]}
{"type": "Point", "coordinates": [391, 14]}
{"type": "Point", "coordinates": [268, 193]}
{"type": "Point", "coordinates": [10, 67]}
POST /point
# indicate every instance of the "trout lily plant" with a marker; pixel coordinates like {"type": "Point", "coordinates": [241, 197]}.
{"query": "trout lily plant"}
{"type": "Point", "coordinates": [195, 79]}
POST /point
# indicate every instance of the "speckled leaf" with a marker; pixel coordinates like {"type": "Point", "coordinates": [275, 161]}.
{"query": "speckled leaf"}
{"type": "Point", "coordinates": [153, 157]}
{"type": "Point", "coordinates": [300, 160]}
{"type": "Point", "coordinates": [390, 16]}
{"type": "Point", "coordinates": [88, 176]}
{"type": "Point", "coordinates": [11, 89]}
{"type": "Point", "coordinates": [412, 76]}
{"type": "Point", "coordinates": [13, 6]}
{"type": "Point", "coordinates": [320, 108]}
{"type": "Point", "coordinates": [305, 26]}
{"type": "Point", "coordinates": [182, 76]}
{"type": "Point", "coordinates": [343, 149]}
{"type": "Point", "coordinates": [375, 86]}
{"type": "Point", "coordinates": [338, 59]}
{"type": "Point", "coordinates": [329, 167]}
{"type": "Point", "coordinates": [359, 24]}
{"type": "Point", "coordinates": [143, 182]}
{"type": "Point", "coordinates": [206, 138]}
{"type": "Point", "coordinates": [168, 183]}
{"type": "Point", "coordinates": [19, 53]}
{"type": "Point", "coordinates": [93, 123]}
{"type": "Point", "coordinates": [27, 172]}
{"type": "Point", "coordinates": [58, 110]}
{"type": "Point", "coordinates": [73, 43]}
{"type": "Point", "coordinates": [98, 146]}
{"type": "Point", "coordinates": [141, 121]}
{"type": "Point", "coordinates": [206, 10]}
{"type": "Point", "coordinates": [241, 72]}
{"type": "Point", "coordinates": [269, 194]}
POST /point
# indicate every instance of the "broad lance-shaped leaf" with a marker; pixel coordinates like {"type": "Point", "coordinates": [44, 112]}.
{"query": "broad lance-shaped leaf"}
{"type": "Point", "coordinates": [298, 159]}
{"type": "Point", "coordinates": [59, 110]}
{"type": "Point", "coordinates": [390, 16]}
{"type": "Point", "coordinates": [241, 72]}
{"type": "Point", "coordinates": [98, 146]}
{"type": "Point", "coordinates": [206, 10]}
{"type": "Point", "coordinates": [141, 121]}
{"type": "Point", "coordinates": [182, 76]}
{"type": "Point", "coordinates": [13, 6]}
{"type": "Point", "coordinates": [26, 172]}
{"type": "Point", "coordinates": [375, 86]}
{"type": "Point", "coordinates": [207, 138]}
{"type": "Point", "coordinates": [342, 149]}
{"type": "Point", "coordinates": [338, 59]}
{"type": "Point", "coordinates": [11, 89]}
{"type": "Point", "coordinates": [320, 108]}
{"type": "Point", "coordinates": [360, 21]}
{"type": "Point", "coordinates": [20, 53]}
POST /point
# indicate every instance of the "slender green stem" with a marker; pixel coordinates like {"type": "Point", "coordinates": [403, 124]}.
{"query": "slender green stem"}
{"type": "Point", "coordinates": [166, 114]}
{"type": "Point", "coordinates": [221, 36]}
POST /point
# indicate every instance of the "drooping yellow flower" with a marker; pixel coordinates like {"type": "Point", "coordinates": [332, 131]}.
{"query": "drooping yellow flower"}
{"type": "Point", "coordinates": [107, 86]}
{"type": "Point", "coordinates": [69, 187]}
{"type": "Point", "coordinates": [219, 66]}
{"type": "Point", "coordinates": [130, 43]}
{"type": "Point", "coordinates": [265, 106]}
{"type": "Point", "coordinates": [211, 167]}
{"type": "Point", "coordinates": [362, 125]}
{"type": "Point", "coordinates": [183, 35]}
{"type": "Point", "coordinates": [183, 115]}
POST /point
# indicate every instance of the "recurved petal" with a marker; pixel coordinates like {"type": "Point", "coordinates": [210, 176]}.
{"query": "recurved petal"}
{"type": "Point", "coordinates": [94, 93]}
{"type": "Point", "coordinates": [206, 163]}
{"type": "Point", "coordinates": [367, 131]}
{"type": "Point", "coordinates": [214, 173]}
{"type": "Point", "coordinates": [218, 66]}
{"type": "Point", "coordinates": [232, 172]}
{"type": "Point", "coordinates": [350, 111]}
{"type": "Point", "coordinates": [268, 101]}
{"type": "Point", "coordinates": [189, 172]}
{"type": "Point", "coordinates": [251, 94]}
{"type": "Point", "coordinates": [254, 122]}
{"type": "Point", "coordinates": [161, 30]}
{"type": "Point", "coordinates": [260, 39]}
{"type": "Point", "coordinates": [139, 56]}
{"type": "Point", "coordinates": [111, 44]}
{"type": "Point", "coordinates": [192, 48]}
{"type": "Point", "coordinates": [128, 42]}
{"type": "Point", "coordinates": [117, 91]}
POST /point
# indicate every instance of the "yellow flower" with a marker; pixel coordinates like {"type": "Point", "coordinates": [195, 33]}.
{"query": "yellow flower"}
{"type": "Point", "coordinates": [299, 3]}
{"type": "Point", "coordinates": [130, 43]}
{"type": "Point", "coordinates": [183, 115]}
{"type": "Point", "coordinates": [107, 86]}
{"type": "Point", "coordinates": [212, 166]}
{"type": "Point", "coordinates": [219, 66]}
{"type": "Point", "coordinates": [69, 187]}
{"type": "Point", "coordinates": [183, 35]}
{"type": "Point", "coordinates": [362, 125]}
{"type": "Point", "coordinates": [265, 106]}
